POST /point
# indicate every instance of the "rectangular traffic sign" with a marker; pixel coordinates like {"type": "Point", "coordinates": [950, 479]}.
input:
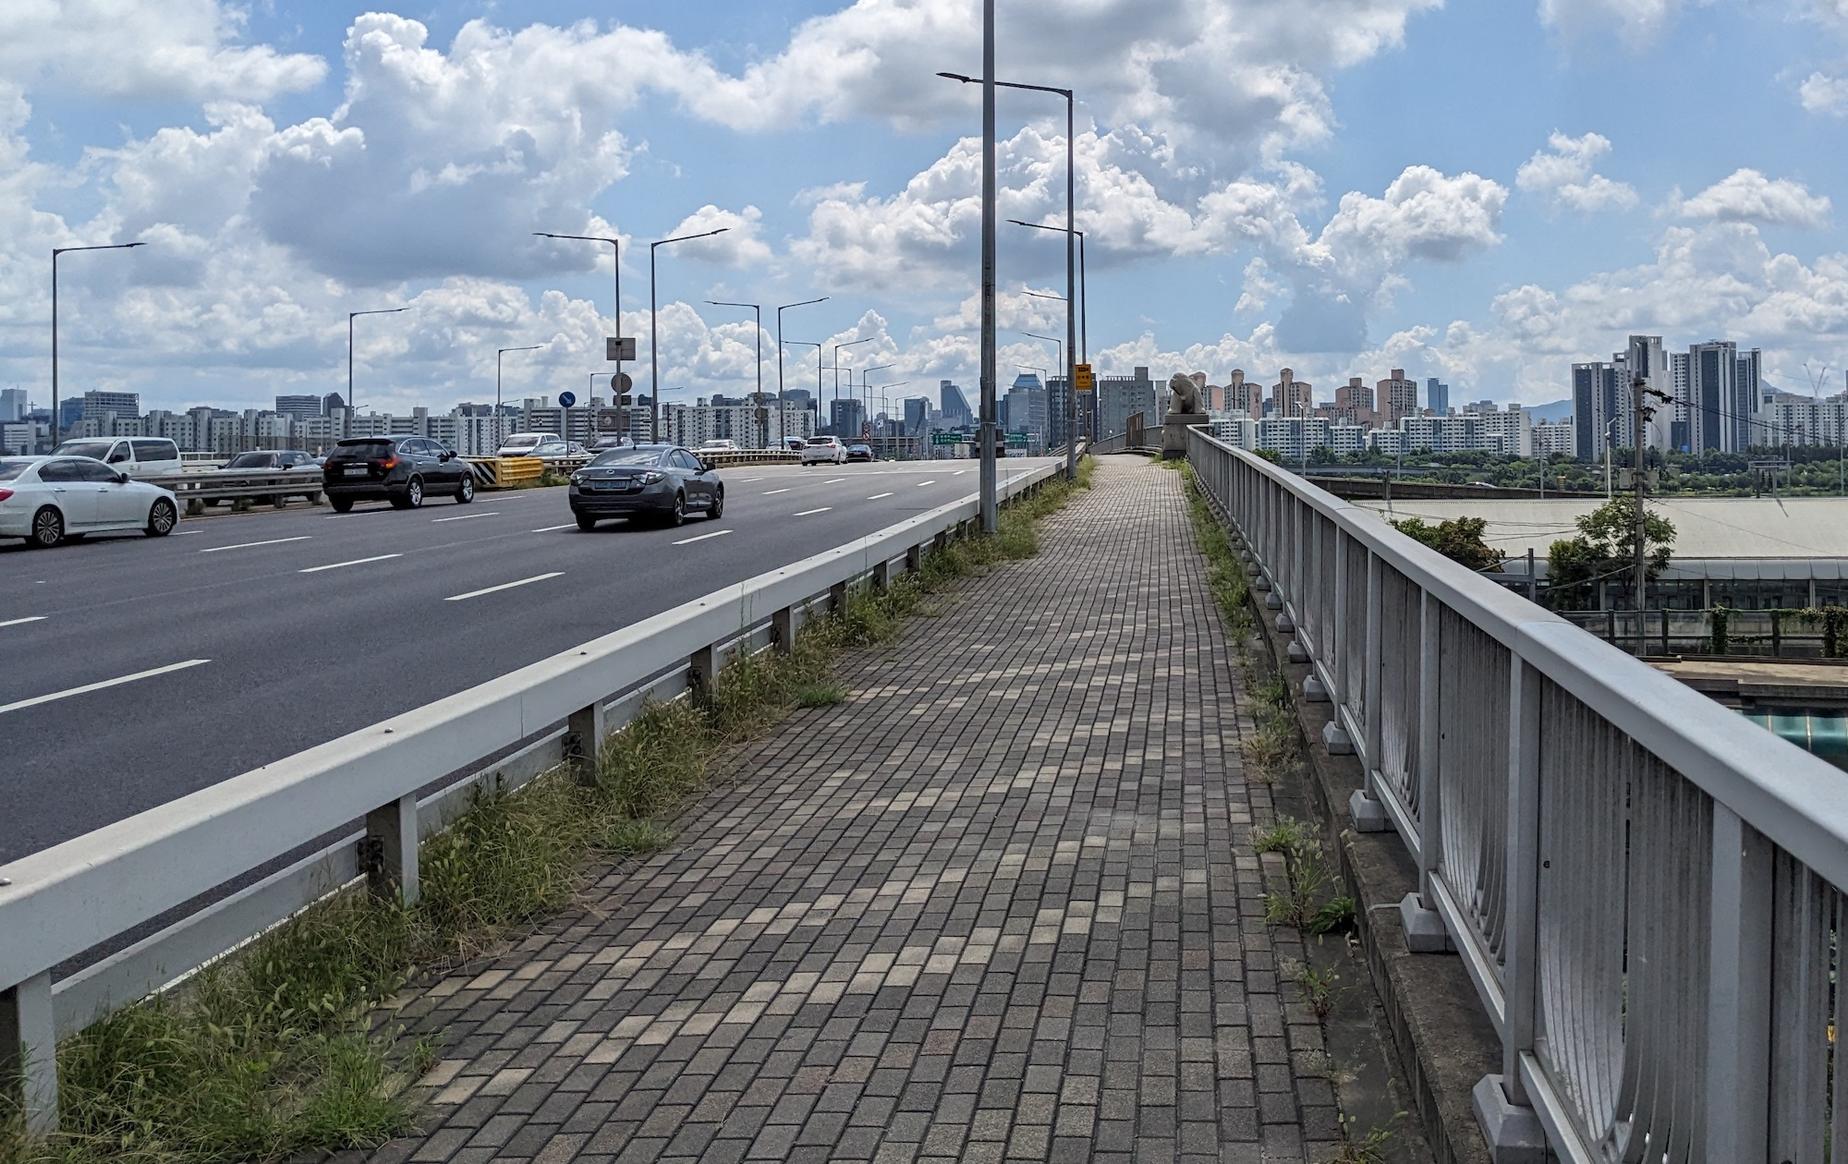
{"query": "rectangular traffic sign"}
{"type": "Point", "coordinates": [619, 349]}
{"type": "Point", "coordinates": [1083, 378]}
{"type": "Point", "coordinates": [949, 438]}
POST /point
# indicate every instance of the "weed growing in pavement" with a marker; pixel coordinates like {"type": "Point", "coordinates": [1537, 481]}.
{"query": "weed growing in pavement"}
{"type": "Point", "coordinates": [1368, 1147]}
{"type": "Point", "coordinates": [1318, 986]}
{"type": "Point", "coordinates": [1308, 901]}
{"type": "Point", "coordinates": [1281, 837]}
{"type": "Point", "coordinates": [280, 1051]}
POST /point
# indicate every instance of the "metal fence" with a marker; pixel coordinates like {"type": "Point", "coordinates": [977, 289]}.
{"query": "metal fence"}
{"type": "Point", "coordinates": [59, 903]}
{"type": "Point", "coordinates": [1646, 889]}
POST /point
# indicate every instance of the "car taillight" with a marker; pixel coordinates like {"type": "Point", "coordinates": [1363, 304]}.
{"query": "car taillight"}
{"type": "Point", "coordinates": [388, 463]}
{"type": "Point", "coordinates": [5, 493]}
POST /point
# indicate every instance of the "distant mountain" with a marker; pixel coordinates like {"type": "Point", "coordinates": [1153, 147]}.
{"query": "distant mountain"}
{"type": "Point", "coordinates": [1557, 410]}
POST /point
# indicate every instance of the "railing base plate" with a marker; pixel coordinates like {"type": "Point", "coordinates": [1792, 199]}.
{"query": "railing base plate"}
{"type": "Point", "coordinates": [1335, 741]}
{"type": "Point", "coordinates": [1314, 691]}
{"type": "Point", "coordinates": [1368, 814]}
{"type": "Point", "coordinates": [1513, 1134]}
{"type": "Point", "coordinates": [1424, 928]}
{"type": "Point", "coordinates": [1297, 652]}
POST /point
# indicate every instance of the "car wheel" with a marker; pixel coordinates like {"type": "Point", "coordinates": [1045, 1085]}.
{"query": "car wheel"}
{"type": "Point", "coordinates": [341, 504]}
{"type": "Point", "coordinates": [585, 521]}
{"type": "Point", "coordinates": [718, 505]}
{"type": "Point", "coordinates": [47, 528]}
{"type": "Point", "coordinates": [161, 519]}
{"type": "Point", "coordinates": [678, 515]}
{"type": "Point", "coordinates": [465, 492]}
{"type": "Point", "coordinates": [413, 494]}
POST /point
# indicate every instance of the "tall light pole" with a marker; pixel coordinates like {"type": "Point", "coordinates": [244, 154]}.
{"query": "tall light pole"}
{"type": "Point", "coordinates": [55, 252]}
{"type": "Point", "coordinates": [352, 409]}
{"type": "Point", "coordinates": [1084, 288]}
{"type": "Point", "coordinates": [781, 434]}
{"type": "Point", "coordinates": [757, 399]}
{"type": "Point", "coordinates": [866, 393]}
{"type": "Point", "coordinates": [616, 265]}
{"type": "Point", "coordinates": [497, 387]}
{"type": "Point", "coordinates": [886, 402]}
{"type": "Point", "coordinates": [865, 339]}
{"type": "Point", "coordinates": [654, 332]}
{"type": "Point", "coordinates": [817, 345]}
{"type": "Point", "coordinates": [1071, 222]}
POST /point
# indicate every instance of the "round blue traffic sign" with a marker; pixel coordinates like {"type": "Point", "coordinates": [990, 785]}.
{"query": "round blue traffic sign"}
{"type": "Point", "coordinates": [567, 399]}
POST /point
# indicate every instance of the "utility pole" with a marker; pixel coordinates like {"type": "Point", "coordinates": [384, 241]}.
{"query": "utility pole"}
{"type": "Point", "coordinates": [1638, 389]}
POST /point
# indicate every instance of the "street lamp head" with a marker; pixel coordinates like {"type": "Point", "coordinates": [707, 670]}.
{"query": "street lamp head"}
{"type": "Point", "coordinates": [522, 348]}
{"type": "Point", "coordinates": [957, 77]}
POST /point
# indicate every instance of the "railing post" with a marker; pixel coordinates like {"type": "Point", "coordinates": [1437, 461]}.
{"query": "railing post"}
{"type": "Point", "coordinates": [882, 575]}
{"type": "Point", "coordinates": [1738, 1096]}
{"type": "Point", "coordinates": [837, 598]}
{"type": "Point", "coordinates": [29, 1052]}
{"type": "Point", "coordinates": [1502, 1109]}
{"type": "Point", "coordinates": [783, 630]}
{"type": "Point", "coordinates": [390, 850]}
{"type": "Point", "coordinates": [1340, 640]}
{"type": "Point", "coordinates": [584, 732]}
{"type": "Point", "coordinates": [1364, 807]}
{"type": "Point", "coordinates": [914, 559]}
{"type": "Point", "coordinates": [1424, 926]}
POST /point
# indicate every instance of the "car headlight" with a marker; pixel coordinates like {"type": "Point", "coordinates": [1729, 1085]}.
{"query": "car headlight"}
{"type": "Point", "coordinates": [577, 478]}
{"type": "Point", "coordinates": [651, 477]}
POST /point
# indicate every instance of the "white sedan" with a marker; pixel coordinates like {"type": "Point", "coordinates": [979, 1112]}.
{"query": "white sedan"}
{"type": "Point", "coordinates": [824, 450]}
{"type": "Point", "coordinates": [47, 499]}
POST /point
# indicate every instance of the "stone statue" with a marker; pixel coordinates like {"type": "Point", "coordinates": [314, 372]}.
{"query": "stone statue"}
{"type": "Point", "coordinates": [1183, 396]}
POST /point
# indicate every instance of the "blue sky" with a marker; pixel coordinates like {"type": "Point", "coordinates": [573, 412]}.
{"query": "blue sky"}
{"type": "Point", "coordinates": [1479, 192]}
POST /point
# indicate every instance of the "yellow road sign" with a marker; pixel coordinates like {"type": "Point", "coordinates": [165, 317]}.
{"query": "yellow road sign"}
{"type": "Point", "coordinates": [1084, 379]}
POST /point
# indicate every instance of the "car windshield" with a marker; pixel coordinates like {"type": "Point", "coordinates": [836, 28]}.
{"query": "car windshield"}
{"type": "Point", "coordinates": [362, 450]}
{"type": "Point", "coordinates": [821, 440]}
{"type": "Point", "coordinates": [97, 449]}
{"type": "Point", "coordinates": [10, 470]}
{"type": "Point", "coordinates": [523, 441]}
{"type": "Point", "coordinates": [249, 461]}
{"type": "Point", "coordinates": [646, 455]}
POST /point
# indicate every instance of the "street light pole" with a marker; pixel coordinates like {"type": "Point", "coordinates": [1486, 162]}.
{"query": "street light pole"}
{"type": "Point", "coordinates": [498, 435]}
{"type": "Point", "coordinates": [654, 332]}
{"type": "Point", "coordinates": [55, 252]}
{"type": "Point", "coordinates": [616, 264]}
{"type": "Point", "coordinates": [817, 345]}
{"type": "Point", "coordinates": [757, 399]}
{"type": "Point", "coordinates": [867, 394]}
{"type": "Point", "coordinates": [1084, 288]}
{"type": "Point", "coordinates": [865, 339]}
{"type": "Point", "coordinates": [352, 408]}
{"type": "Point", "coordinates": [782, 434]}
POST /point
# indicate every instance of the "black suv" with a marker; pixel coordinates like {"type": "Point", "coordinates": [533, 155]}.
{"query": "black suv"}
{"type": "Point", "coordinates": [400, 469]}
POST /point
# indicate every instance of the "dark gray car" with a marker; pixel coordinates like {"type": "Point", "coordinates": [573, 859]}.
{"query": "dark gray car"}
{"type": "Point", "coordinates": [400, 469]}
{"type": "Point", "coordinates": [664, 481]}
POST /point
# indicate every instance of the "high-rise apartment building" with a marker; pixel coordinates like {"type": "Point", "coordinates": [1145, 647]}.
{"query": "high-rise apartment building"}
{"type": "Point", "coordinates": [1720, 414]}
{"type": "Point", "coordinates": [1354, 402]}
{"type": "Point", "coordinates": [1243, 397]}
{"type": "Point", "coordinates": [1598, 390]}
{"type": "Point", "coordinates": [1437, 396]}
{"type": "Point", "coordinates": [1120, 397]}
{"type": "Point", "coordinates": [1292, 397]}
{"type": "Point", "coordinates": [97, 402]}
{"type": "Point", "coordinates": [917, 415]}
{"type": "Point", "coordinates": [846, 418]}
{"type": "Point", "coordinates": [300, 407]}
{"type": "Point", "coordinates": [13, 405]}
{"type": "Point", "coordinates": [1397, 397]}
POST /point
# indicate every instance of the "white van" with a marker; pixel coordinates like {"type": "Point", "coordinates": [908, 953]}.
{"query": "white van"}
{"type": "Point", "coordinates": [136, 456]}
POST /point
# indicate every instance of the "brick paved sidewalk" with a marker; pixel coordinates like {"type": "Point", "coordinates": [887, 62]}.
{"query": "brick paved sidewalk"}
{"type": "Point", "coordinates": [1001, 904]}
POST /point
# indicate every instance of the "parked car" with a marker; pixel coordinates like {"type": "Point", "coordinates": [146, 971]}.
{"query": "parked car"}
{"type": "Point", "coordinates": [400, 469]}
{"type": "Point", "coordinates": [48, 499]}
{"type": "Point", "coordinates": [859, 452]}
{"type": "Point", "coordinates": [136, 456]}
{"type": "Point", "coordinates": [544, 445]}
{"type": "Point", "coordinates": [824, 450]}
{"type": "Point", "coordinates": [615, 441]}
{"type": "Point", "coordinates": [275, 459]}
{"type": "Point", "coordinates": [719, 445]}
{"type": "Point", "coordinates": [664, 481]}
{"type": "Point", "coordinates": [793, 444]}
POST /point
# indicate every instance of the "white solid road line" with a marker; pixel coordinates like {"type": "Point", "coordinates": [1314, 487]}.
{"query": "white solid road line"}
{"type": "Point", "coordinates": [834, 481]}
{"type": "Point", "coordinates": [809, 512]}
{"type": "Point", "coordinates": [354, 562]}
{"type": "Point", "coordinates": [717, 533]}
{"type": "Point", "coordinates": [749, 480]}
{"type": "Point", "coordinates": [253, 545]}
{"type": "Point", "coordinates": [774, 492]}
{"type": "Point", "coordinates": [550, 528]}
{"type": "Point", "coordinates": [932, 481]}
{"type": "Point", "coordinates": [22, 621]}
{"type": "Point", "coordinates": [89, 687]}
{"type": "Point", "coordinates": [186, 533]}
{"type": "Point", "coordinates": [465, 516]}
{"type": "Point", "coordinates": [503, 586]}
{"type": "Point", "coordinates": [877, 496]}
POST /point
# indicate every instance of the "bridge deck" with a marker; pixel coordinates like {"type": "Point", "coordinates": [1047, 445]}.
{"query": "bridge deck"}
{"type": "Point", "coordinates": [1001, 904]}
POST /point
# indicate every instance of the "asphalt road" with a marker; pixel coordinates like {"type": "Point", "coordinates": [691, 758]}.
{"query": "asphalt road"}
{"type": "Point", "coordinates": [136, 670]}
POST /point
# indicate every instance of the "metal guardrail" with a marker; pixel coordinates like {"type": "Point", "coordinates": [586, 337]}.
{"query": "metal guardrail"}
{"type": "Point", "coordinates": [57, 903]}
{"type": "Point", "coordinates": [198, 488]}
{"type": "Point", "coordinates": [1646, 889]}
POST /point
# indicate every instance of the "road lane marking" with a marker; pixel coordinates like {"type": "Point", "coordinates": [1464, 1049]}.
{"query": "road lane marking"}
{"type": "Point", "coordinates": [959, 472]}
{"type": "Point", "coordinates": [89, 687]}
{"type": "Point", "coordinates": [550, 528]}
{"type": "Point", "coordinates": [186, 533]}
{"type": "Point", "coordinates": [834, 481]}
{"type": "Point", "coordinates": [354, 562]}
{"type": "Point", "coordinates": [749, 480]}
{"type": "Point", "coordinates": [774, 492]}
{"type": "Point", "coordinates": [465, 516]}
{"type": "Point", "coordinates": [502, 586]}
{"type": "Point", "coordinates": [932, 481]}
{"type": "Point", "coordinates": [23, 621]}
{"type": "Point", "coordinates": [877, 496]}
{"type": "Point", "coordinates": [253, 545]}
{"type": "Point", "coordinates": [809, 512]}
{"type": "Point", "coordinates": [682, 542]}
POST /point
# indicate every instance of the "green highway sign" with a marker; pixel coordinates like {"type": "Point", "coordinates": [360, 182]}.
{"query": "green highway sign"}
{"type": "Point", "coordinates": [950, 438]}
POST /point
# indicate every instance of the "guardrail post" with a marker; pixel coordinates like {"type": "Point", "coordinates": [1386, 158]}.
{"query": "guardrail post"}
{"type": "Point", "coordinates": [1364, 807]}
{"type": "Point", "coordinates": [837, 598]}
{"type": "Point", "coordinates": [914, 559]}
{"type": "Point", "coordinates": [1508, 1122]}
{"type": "Point", "coordinates": [783, 630]}
{"type": "Point", "coordinates": [584, 732]}
{"type": "Point", "coordinates": [1738, 1096]}
{"type": "Point", "coordinates": [29, 1052]}
{"type": "Point", "coordinates": [389, 850]}
{"type": "Point", "coordinates": [1424, 926]}
{"type": "Point", "coordinates": [703, 674]}
{"type": "Point", "coordinates": [882, 574]}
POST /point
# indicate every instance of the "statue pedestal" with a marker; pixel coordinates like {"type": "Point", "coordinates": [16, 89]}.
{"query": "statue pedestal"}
{"type": "Point", "coordinates": [1174, 434]}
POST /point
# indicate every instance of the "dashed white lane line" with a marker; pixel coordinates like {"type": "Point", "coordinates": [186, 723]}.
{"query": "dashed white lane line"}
{"type": "Point", "coordinates": [22, 704]}
{"type": "Point", "coordinates": [253, 545]}
{"type": "Point", "coordinates": [354, 562]}
{"type": "Point", "coordinates": [877, 496]}
{"type": "Point", "coordinates": [834, 481]}
{"type": "Point", "coordinates": [465, 516]}
{"type": "Point", "coordinates": [187, 533]}
{"type": "Point", "coordinates": [750, 480]}
{"type": "Point", "coordinates": [810, 512]}
{"type": "Point", "coordinates": [23, 621]}
{"type": "Point", "coordinates": [717, 533]}
{"type": "Point", "coordinates": [932, 481]}
{"type": "Point", "coordinates": [550, 528]}
{"type": "Point", "coordinates": [503, 586]}
{"type": "Point", "coordinates": [774, 492]}
{"type": "Point", "coordinates": [959, 472]}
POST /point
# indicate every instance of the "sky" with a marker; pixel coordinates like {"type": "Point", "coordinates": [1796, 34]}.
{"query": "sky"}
{"type": "Point", "coordinates": [1479, 192]}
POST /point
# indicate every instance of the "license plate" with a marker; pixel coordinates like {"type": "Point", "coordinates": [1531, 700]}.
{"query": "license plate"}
{"type": "Point", "coordinates": [356, 470]}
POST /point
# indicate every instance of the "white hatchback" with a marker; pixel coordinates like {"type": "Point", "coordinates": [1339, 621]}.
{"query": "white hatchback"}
{"type": "Point", "coordinates": [824, 450]}
{"type": "Point", "coordinates": [47, 499]}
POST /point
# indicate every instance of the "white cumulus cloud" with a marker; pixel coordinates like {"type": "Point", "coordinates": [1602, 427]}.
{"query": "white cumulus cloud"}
{"type": "Point", "coordinates": [1821, 93]}
{"type": "Point", "coordinates": [1564, 172]}
{"type": "Point", "coordinates": [1746, 195]}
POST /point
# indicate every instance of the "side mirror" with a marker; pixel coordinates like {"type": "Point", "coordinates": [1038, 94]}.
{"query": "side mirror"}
{"type": "Point", "coordinates": [445, 455]}
{"type": "Point", "coordinates": [121, 478]}
{"type": "Point", "coordinates": [708, 464]}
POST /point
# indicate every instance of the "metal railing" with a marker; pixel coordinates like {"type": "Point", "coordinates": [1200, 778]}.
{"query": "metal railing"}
{"type": "Point", "coordinates": [199, 488]}
{"type": "Point", "coordinates": [58, 903]}
{"type": "Point", "coordinates": [1645, 888]}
